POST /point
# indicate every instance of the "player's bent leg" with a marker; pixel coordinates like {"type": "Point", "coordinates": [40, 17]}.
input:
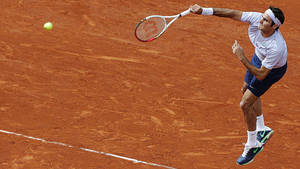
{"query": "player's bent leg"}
{"type": "Point", "coordinates": [246, 104]}
{"type": "Point", "coordinates": [264, 133]}
{"type": "Point", "coordinates": [257, 107]}
{"type": "Point", "coordinates": [252, 147]}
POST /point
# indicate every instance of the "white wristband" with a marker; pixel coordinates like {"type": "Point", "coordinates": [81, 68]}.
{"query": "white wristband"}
{"type": "Point", "coordinates": [207, 11]}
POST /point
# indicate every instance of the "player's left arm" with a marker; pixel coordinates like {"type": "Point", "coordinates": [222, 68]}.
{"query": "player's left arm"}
{"type": "Point", "coordinates": [260, 73]}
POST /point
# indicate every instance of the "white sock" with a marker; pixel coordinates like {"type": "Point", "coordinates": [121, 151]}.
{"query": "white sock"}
{"type": "Point", "coordinates": [260, 124]}
{"type": "Point", "coordinates": [251, 138]}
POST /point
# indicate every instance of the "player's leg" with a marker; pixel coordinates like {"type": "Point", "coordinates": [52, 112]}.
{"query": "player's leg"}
{"type": "Point", "coordinates": [246, 105]}
{"type": "Point", "coordinates": [256, 108]}
{"type": "Point", "coordinates": [252, 147]}
{"type": "Point", "coordinates": [260, 124]}
{"type": "Point", "coordinates": [264, 133]}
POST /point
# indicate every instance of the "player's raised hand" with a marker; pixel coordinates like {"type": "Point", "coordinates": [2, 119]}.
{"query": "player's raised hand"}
{"type": "Point", "coordinates": [237, 49]}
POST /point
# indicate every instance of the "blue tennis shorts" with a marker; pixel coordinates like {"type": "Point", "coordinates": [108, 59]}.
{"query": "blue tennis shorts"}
{"type": "Point", "coordinates": [259, 87]}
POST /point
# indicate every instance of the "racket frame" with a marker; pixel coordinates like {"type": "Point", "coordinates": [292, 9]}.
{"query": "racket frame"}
{"type": "Point", "coordinates": [165, 22]}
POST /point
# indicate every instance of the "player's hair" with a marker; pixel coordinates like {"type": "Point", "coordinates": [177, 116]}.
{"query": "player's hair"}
{"type": "Point", "coordinates": [278, 14]}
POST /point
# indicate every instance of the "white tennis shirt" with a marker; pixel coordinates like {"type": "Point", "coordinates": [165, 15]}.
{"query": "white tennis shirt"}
{"type": "Point", "coordinates": [271, 51]}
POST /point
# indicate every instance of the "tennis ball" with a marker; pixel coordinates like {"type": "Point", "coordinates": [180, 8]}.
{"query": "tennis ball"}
{"type": "Point", "coordinates": [48, 26]}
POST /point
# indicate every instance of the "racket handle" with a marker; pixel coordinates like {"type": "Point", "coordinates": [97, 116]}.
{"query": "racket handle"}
{"type": "Point", "coordinates": [185, 12]}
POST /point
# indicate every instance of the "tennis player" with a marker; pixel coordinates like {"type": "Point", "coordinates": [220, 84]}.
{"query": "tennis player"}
{"type": "Point", "coordinates": [267, 66]}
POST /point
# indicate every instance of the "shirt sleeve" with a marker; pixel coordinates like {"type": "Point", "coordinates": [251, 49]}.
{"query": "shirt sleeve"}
{"type": "Point", "coordinates": [251, 17]}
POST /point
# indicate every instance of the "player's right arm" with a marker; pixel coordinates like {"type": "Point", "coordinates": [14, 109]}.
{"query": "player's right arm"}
{"type": "Point", "coordinates": [221, 12]}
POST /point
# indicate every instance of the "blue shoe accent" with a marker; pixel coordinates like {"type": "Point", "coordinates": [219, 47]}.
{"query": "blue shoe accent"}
{"type": "Point", "coordinates": [249, 154]}
{"type": "Point", "coordinates": [264, 136]}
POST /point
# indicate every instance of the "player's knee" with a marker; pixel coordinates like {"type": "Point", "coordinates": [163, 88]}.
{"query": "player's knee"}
{"type": "Point", "coordinates": [244, 105]}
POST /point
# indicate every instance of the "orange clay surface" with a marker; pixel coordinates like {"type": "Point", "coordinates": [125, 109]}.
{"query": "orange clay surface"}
{"type": "Point", "coordinates": [174, 101]}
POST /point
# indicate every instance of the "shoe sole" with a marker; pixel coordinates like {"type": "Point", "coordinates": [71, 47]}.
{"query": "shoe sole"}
{"type": "Point", "coordinates": [252, 159]}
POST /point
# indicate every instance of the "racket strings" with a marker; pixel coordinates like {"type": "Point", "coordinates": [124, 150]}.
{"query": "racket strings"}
{"type": "Point", "coordinates": [150, 28]}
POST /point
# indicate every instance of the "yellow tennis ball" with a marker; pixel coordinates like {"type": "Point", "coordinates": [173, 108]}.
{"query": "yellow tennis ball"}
{"type": "Point", "coordinates": [48, 26]}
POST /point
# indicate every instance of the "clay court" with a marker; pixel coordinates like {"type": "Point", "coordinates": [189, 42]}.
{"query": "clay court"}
{"type": "Point", "coordinates": [88, 95]}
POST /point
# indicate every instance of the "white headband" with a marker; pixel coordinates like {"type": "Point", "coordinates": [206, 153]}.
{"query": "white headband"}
{"type": "Point", "coordinates": [272, 16]}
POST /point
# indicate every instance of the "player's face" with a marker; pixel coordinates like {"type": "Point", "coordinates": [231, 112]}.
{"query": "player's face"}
{"type": "Point", "coordinates": [265, 24]}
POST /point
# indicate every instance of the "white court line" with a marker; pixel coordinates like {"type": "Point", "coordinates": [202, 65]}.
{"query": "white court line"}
{"type": "Point", "coordinates": [87, 150]}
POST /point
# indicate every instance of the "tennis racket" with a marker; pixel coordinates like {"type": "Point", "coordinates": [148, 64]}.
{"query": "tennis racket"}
{"type": "Point", "coordinates": [152, 27]}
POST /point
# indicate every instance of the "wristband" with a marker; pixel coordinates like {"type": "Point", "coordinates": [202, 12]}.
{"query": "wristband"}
{"type": "Point", "coordinates": [207, 11]}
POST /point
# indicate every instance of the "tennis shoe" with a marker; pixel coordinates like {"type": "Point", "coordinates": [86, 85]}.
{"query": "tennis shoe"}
{"type": "Point", "coordinates": [249, 153]}
{"type": "Point", "coordinates": [264, 135]}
